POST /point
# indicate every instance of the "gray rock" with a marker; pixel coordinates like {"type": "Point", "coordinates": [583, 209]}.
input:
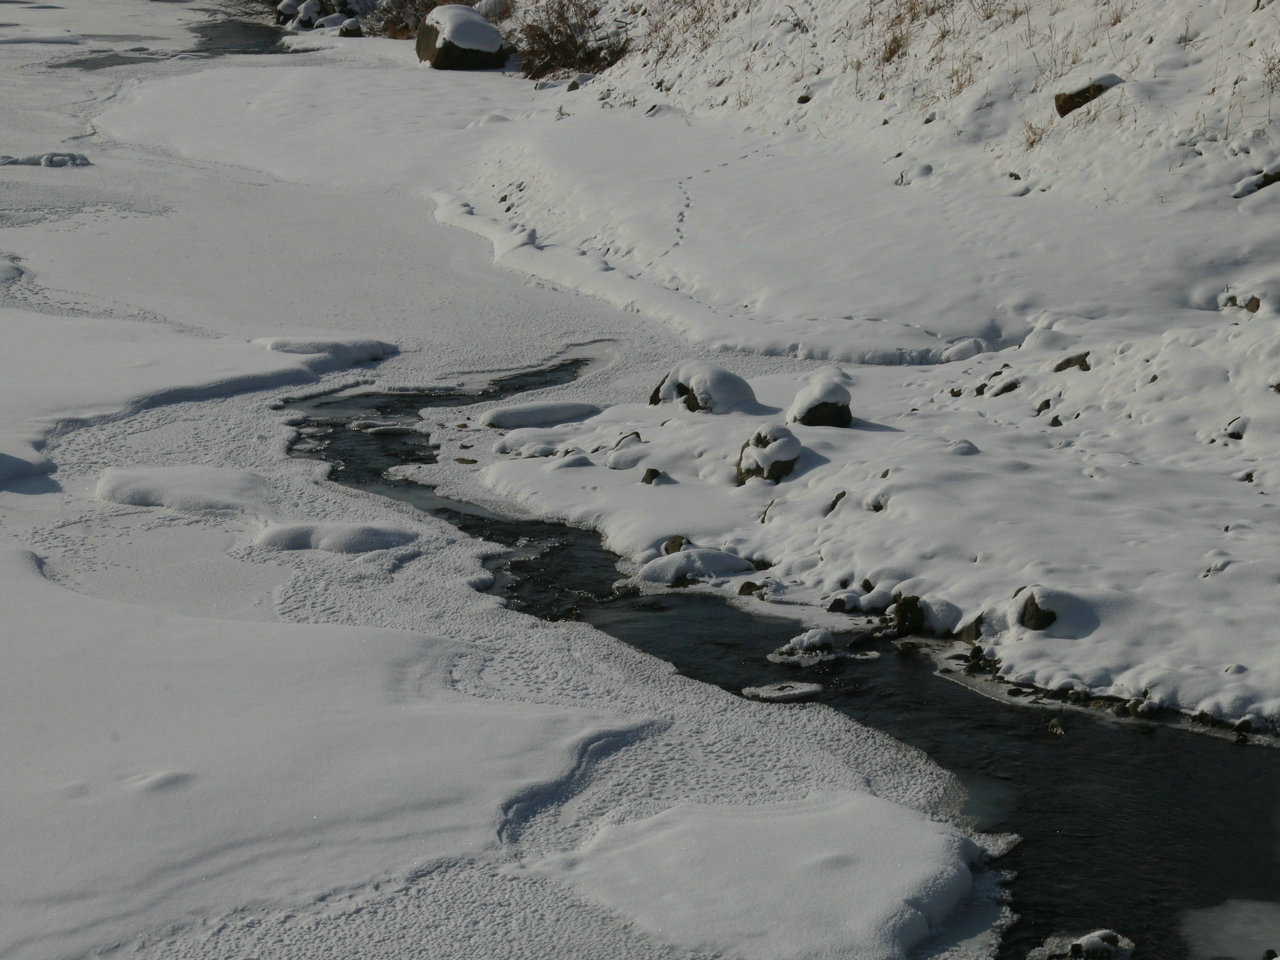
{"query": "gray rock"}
{"type": "Point", "coordinates": [1064, 103]}
{"type": "Point", "coordinates": [1035, 617]}
{"type": "Point", "coordinates": [446, 55]}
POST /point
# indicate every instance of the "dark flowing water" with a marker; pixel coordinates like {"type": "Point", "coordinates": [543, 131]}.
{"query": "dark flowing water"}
{"type": "Point", "coordinates": [214, 38]}
{"type": "Point", "coordinates": [1124, 825]}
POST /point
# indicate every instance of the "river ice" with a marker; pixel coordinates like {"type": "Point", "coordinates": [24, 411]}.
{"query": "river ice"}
{"type": "Point", "coordinates": [248, 712]}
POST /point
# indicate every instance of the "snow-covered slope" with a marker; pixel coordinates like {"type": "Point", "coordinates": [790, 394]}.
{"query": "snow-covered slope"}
{"type": "Point", "coordinates": [891, 183]}
{"type": "Point", "coordinates": [248, 712]}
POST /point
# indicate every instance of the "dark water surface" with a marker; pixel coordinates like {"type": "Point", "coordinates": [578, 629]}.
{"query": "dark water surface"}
{"type": "Point", "coordinates": [214, 38]}
{"type": "Point", "coordinates": [1125, 825]}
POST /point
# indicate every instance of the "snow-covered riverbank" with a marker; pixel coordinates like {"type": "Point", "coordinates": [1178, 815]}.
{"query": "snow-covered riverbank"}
{"type": "Point", "coordinates": [1102, 435]}
{"type": "Point", "coordinates": [250, 713]}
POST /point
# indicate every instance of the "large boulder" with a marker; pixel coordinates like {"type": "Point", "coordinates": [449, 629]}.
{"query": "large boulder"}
{"type": "Point", "coordinates": [455, 37]}
{"type": "Point", "coordinates": [822, 402]}
{"type": "Point", "coordinates": [703, 386]}
{"type": "Point", "coordinates": [309, 13]}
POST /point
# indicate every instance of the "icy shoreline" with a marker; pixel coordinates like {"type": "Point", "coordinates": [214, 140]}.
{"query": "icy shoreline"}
{"type": "Point", "coordinates": [251, 712]}
{"type": "Point", "coordinates": [1113, 460]}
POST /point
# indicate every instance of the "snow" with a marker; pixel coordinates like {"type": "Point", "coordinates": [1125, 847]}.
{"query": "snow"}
{"type": "Point", "coordinates": [1053, 334]}
{"type": "Point", "coordinates": [809, 648]}
{"type": "Point", "coordinates": [783, 692]}
{"type": "Point", "coordinates": [696, 563]}
{"type": "Point", "coordinates": [463, 27]}
{"type": "Point", "coordinates": [176, 760]}
{"type": "Point", "coordinates": [83, 367]}
{"type": "Point", "coordinates": [704, 386]}
{"type": "Point", "coordinates": [824, 387]}
{"type": "Point", "coordinates": [544, 414]}
{"type": "Point", "coordinates": [193, 488]}
{"type": "Point", "coordinates": [335, 537]}
{"type": "Point", "coordinates": [251, 712]}
{"type": "Point", "coordinates": [800, 854]}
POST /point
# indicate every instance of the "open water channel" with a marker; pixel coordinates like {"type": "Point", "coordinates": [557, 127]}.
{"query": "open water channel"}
{"type": "Point", "coordinates": [1170, 838]}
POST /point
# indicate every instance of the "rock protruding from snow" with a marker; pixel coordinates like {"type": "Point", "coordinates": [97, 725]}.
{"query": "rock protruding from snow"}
{"type": "Point", "coordinates": [1035, 617]}
{"type": "Point", "coordinates": [703, 386]}
{"type": "Point", "coordinates": [1064, 103]}
{"type": "Point", "coordinates": [455, 37]}
{"type": "Point", "coordinates": [822, 402]}
{"type": "Point", "coordinates": [698, 563]}
{"type": "Point", "coordinates": [771, 453]}
{"type": "Point", "coordinates": [309, 12]}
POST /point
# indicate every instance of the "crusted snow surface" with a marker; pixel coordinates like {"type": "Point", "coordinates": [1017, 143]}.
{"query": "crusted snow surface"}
{"type": "Point", "coordinates": [693, 854]}
{"type": "Point", "coordinates": [548, 412]}
{"type": "Point", "coordinates": [249, 712]}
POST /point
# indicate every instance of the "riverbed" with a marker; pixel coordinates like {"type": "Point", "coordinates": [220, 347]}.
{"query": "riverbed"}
{"type": "Point", "coordinates": [1133, 826]}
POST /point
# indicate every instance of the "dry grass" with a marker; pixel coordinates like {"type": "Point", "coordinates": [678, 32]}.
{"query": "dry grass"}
{"type": "Point", "coordinates": [1032, 134]}
{"type": "Point", "coordinates": [680, 26]}
{"type": "Point", "coordinates": [567, 36]}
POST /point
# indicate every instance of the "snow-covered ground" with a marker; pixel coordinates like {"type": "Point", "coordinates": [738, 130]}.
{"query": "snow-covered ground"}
{"type": "Point", "coordinates": [249, 713]}
{"type": "Point", "coordinates": [1065, 383]}
{"type": "Point", "coordinates": [255, 714]}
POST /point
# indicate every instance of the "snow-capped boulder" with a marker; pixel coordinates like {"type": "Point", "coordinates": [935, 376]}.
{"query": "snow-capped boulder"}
{"type": "Point", "coordinates": [286, 10]}
{"type": "Point", "coordinates": [455, 37]}
{"type": "Point", "coordinates": [351, 28]}
{"type": "Point", "coordinates": [771, 453]}
{"type": "Point", "coordinates": [699, 563]}
{"type": "Point", "coordinates": [822, 402]}
{"type": "Point", "coordinates": [309, 13]}
{"type": "Point", "coordinates": [1057, 612]}
{"type": "Point", "coordinates": [703, 386]}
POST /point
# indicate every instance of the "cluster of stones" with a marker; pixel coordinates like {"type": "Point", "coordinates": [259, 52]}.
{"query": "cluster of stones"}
{"type": "Point", "coordinates": [319, 14]}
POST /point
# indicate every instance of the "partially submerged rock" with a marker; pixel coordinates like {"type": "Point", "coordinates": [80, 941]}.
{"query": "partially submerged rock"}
{"type": "Point", "coordinates": [809, 648]}
{"type": "Point", "coordinates": [455, 37]}
{"type": "Point", "coordinates": [783, 692]}
{"type": "Point", "coordinates": [1099, 945]}
{"type": "Point", "coordinates": [693, 565]}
